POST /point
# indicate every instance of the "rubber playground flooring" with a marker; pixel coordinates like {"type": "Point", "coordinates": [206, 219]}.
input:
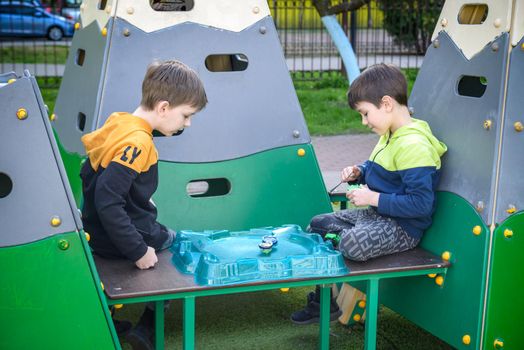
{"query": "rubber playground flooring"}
{"type": "Point", "coordinates": [261, 321]}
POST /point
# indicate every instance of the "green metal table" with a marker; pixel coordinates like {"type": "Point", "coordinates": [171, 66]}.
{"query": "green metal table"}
{"type": "Point", "coordinates": [125, 284]}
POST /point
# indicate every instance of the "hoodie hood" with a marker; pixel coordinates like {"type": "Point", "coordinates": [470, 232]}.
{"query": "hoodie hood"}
{"type": "Point", "coordinates": [120, 131]}
{"type": "Point", "coordinates": [420, 127]}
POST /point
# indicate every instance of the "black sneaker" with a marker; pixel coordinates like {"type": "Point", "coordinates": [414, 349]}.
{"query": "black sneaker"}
{"type": "Point", "coordinates": [311, 313]}
{"type": "Point", "coordinates": [141, 338]}
{"type": "Point", "coordinates": [122, 327]}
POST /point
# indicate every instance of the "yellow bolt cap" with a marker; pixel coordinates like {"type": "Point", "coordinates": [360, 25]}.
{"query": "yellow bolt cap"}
{"type": "Point", "coordinates": [301, 152]}
{"type": "Point", "coordinates": [439, 280]}
{"type": "Point", "coordinates": [11, 81]}
{"type": "Point", "coordinates": [102, 285]}
{"type": "Point", "coordinates": [88, 236]}
{"type": "Point", "coordinates": [432, 275]}
{"type": "Point", "coordinates": [508, 233]}
{"type": "Point", "coordinates": [498, 344]}
{"type": "Point", "coordinates": [356, 317]}
{"type": "Point", "coordinates": [21, 113]}
{"type": "Point", "coordinates": [511, 209]}
{"type": "Point", "coordinates": [52, 117]}
{"type": "Point", "coordinates": [118, 306]}
{"type": "Point", "coordinates": [104, 31]}
{"type": "Point", "coordinates": [55, 221]}
{"type": "Point", "coordinates": [477, 230]}
{"type": "Point", "coordinates": [284, 290]}
{"type": "Point", "coordinates": [446, 256]}
{"type": "Point", "coordinates": [466, 339]}
{"type": "Point", "coordinates": [518, 126]}
{"type": "Point", "coordinates": [77, 26]}
{"type": "Point", "coordinates": [362, 304]}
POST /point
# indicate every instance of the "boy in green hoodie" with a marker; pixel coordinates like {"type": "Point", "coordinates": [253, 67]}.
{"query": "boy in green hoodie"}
{"type": "Point", "coordinates": [398, 182]}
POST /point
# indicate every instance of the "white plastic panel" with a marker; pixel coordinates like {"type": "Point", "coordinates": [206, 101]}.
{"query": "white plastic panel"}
{"type": "Point", "coordinates": [232, 15]}
{"type": "Point", "coordinates": [471, 38]}
{"type": "Point", "coordinates": [90, 12]}
{"type": "Point", "coordinates": [517, 29]}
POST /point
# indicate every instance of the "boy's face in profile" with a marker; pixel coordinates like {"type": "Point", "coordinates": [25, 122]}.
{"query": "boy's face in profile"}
{"type": "Point", "coordinates": [377, 119]}
{"type": "Point", "coordinates": [173, 120]}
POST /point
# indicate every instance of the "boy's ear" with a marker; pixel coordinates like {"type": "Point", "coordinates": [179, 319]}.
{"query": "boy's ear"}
{"type": "Point", "coordinates": [388, 102]}
{"type": "Point", "coordinates": [161, 107]}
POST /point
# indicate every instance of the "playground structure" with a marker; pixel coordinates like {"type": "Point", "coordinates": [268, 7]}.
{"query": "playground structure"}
{"type": "Point", "coordinates": [257, 174]}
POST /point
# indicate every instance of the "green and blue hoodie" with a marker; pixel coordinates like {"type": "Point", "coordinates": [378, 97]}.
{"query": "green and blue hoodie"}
{"type": "Point", "coordinates": [405, 168]}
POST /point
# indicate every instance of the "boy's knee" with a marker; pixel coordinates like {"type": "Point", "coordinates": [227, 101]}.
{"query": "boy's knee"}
{"type": "Point", "coordinates": [350, 247]}
{"type": "Point", "coordinates": [320, 224]}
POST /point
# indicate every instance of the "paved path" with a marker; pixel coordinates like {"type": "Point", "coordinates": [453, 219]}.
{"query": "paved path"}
{"type": "Point", "coordinates": [336, 152]}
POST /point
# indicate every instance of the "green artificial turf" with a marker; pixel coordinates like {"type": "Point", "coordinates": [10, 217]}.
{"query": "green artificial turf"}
{"type": "Point", "coordinates": [261, 321]}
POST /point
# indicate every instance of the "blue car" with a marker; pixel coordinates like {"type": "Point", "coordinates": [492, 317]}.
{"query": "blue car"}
{"type": "Point", "coordinates": [25, 19]}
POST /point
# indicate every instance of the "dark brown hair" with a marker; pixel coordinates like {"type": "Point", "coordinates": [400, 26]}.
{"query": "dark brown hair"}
{"type": "Point", "coordinates": [376, 82]}
{"type": "Point", "coordinates": [174, 82]}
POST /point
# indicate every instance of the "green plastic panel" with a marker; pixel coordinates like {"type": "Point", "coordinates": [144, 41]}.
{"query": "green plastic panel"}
{"type": "Point", "coordinates": [270, 188]}
{"type": "Point", "coordinates": [454, 309]}
{"type": "Point", "coordinates": [505, 310]}
{"type": "Point", "coordinates": [49, 298]}
{"type": "Point", "coordinates": [72, 164]}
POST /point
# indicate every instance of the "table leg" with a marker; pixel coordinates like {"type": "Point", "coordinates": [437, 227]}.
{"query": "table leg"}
{"type": "Point", "coordinates": [325, 304]}
{"type": "Point", "coordinates": [159, 325]}
{"type": "Point", "coordinates": [189, 323]}
{"type": "Point", "coordinates": [371, 314]}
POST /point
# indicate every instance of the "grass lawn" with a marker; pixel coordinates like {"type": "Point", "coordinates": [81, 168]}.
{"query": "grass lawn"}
{"type": "Point", "coordinates": [50, 54]}
{"type": "Point", "coordinates": [323, 103]}
{"type": "Point", "coordinates": [325, 107]}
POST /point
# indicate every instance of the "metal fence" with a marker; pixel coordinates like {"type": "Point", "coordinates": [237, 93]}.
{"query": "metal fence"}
{"type": "Point", "coordinates": [394, 31]}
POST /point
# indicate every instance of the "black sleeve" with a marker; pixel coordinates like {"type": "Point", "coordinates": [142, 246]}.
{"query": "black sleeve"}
{"type": "Point", "coordinates": [112, 186]}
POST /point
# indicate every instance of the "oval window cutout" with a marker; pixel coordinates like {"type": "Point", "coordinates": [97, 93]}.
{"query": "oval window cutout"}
{"type": "Point", "coordinates": [227, 63]}
{"type": "Point", "coordinates": [6, 185]}
{"type": "Point", "coordinates": [472, 86]}
{"type": "Point", "coordinates": [208, 187]}
{"type": "Point", "coordinates": [172, 5]}
{"type": "Point", "coordinates": [473, 14]}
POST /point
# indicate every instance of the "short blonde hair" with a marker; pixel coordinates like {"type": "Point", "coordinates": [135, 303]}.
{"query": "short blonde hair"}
{"type": "Point", "coordinates": [174, 82]}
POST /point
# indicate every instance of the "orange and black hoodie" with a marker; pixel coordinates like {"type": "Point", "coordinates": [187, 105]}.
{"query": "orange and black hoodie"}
{"type": "Point", "coordinates": [118, 180]}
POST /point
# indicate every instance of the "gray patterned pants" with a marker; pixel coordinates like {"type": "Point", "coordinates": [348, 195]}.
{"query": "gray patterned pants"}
{"type": "Point", "coordinates": [364, 234]}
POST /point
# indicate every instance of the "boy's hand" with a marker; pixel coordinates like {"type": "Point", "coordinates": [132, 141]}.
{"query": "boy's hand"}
{"type": "Point", "coordinates": [363, 196]}
{"type": "Point", "coordinates": [351, 173]}
{"type": "Point", "coordinates": [148, 260]}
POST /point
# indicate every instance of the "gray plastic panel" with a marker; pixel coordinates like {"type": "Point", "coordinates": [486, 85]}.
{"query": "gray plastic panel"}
{"type": "Point", "coordinates": [79, 89]}
{"type": "Point", "coordinates": [469, 165]}
{"type": "Point", "coordinates": [511, 182]}
{"type": "Point", "coordinates": [29, 158]}
{"type": "Point", "coordinates": [248, 112]}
